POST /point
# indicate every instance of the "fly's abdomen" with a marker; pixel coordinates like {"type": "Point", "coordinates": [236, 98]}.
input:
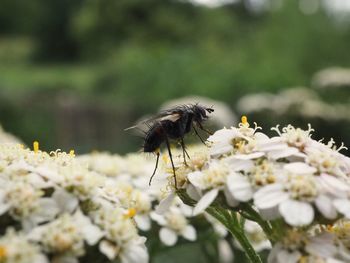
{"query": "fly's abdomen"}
{"type": "Point", "coordinates": [154, 138]}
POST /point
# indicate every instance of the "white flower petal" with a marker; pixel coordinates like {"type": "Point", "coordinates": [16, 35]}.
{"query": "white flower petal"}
{"type": "Point", "coordinates": [325, 206]}
{"type": "Point", "coordinates": [269, 196]}
{"type": "Point", "coordinates": [143, 222]}
{"type": "Point", "coordinates": [196, 179]}
{"type": "Point", "coordinates": [333, 185]}
{"type": "Point", "coordinates": [282, 153]}
{"type": "Point", "coordinates": [224, 135]}
{"type": "Point", "coordinates": [108, 249]}
{"type": "Point", "coordinates": [249, 156]}
{"type": "Point", "coordinates": [220, 149]}
{"type": "Point", "coordinates": [193, 192]}
{"type": "Point", "coordinates": [270, 213]}
{"type": "Point", "coordinates": [225, 251]}
{"type": "Point", "coordinates": [165, 203]}
{"type": "Point", "coordinates": [229, 198]}
{"type": "Point", "coordinates": [299, 168]}
{"type": "Point", "coordinates": [205, 201]}
{"type": "Point", "coordinates": [322, 245]}
{"type": "Point", "coordinates": [237, 165]}
{"type": "Point", "coordinates": [240, 187]}
{"type": "Point", "coordinates": [66, 202]}
{"type": "Point", "coordinates": [167, 236]}
{"type": "Point", "coordinates": [160, 219]}
{"type": "Point", "coordinates": [134, 252]}
{"type": "Point", "coordinates": [343, 206]}
{"type": "Point", "coordinates": [92, 234]}
{"type": "Point", "coordinates": [261, 137]}
{"type": "Point", "coordinates": [296, 213]}
{"type": "Point", "coordinates": [48, 210]}
{"type": "Point", "coordinates": [189, 233]}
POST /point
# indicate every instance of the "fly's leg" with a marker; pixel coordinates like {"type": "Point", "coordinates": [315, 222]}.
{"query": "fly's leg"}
{"type": "Point", "coordinates": [184, 152]}
{"type": "Point", "coordinates": [155, 168]}
{"type": "Point", "coordinates": [195, 130]}
{"type": "Point", "coordinates": [171, 159]}
{"type": "Point", "coordinates": [203, 129]}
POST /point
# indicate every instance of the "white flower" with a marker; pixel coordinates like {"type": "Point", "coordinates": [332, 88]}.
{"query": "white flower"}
{"type": "Point", "coordinates": [26, 204]}
{"type": "Point", "coordinates": [341, 230]}
{"type": "Point", "coordinates": [134, 251]}
{"type": "Point", "coordinates": [214, 178]}
{"type": "Point", "coordinates": [65, 236]}
{"type": "Point", "coordinates": [174, 224]}
{"type": "Point", "coordinates": [297, 246]}
{"type": "Point", "coordinates": [15, 248]}
{"type": "Point", "coordinates": [326, 159]}
{"type": "Point", "coordinates": [234, 140]}
{"type": "Point", "coordinates": [295, 137]}
{"type": "Point", "coordinates": [294, 212]}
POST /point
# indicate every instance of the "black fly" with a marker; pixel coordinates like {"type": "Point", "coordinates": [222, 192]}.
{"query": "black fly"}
{"type": "Point", "coordinates": [173, 124]}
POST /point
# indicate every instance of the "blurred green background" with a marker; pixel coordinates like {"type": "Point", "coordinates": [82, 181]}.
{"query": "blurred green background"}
{"type": "Point", "coordinates": [74, 74]}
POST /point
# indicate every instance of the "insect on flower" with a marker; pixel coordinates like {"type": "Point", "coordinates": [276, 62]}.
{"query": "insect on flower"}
{"type": "Point", "coordinates": [173, 124]}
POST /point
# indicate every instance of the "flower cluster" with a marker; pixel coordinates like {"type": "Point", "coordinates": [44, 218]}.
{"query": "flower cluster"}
{"type": "Point", "coordinates": [63, 209]}
{"type": "Point", "coordinates": [128, 182]}
{"type": "Point", "coordinates": [291, 181]}
{"type": "Point", "coordinates": [288, 193]}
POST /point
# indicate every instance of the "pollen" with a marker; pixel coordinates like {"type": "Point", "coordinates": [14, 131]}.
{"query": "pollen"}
{"type": "Point", "coordinates": [35, 146]}
{"type": "Point", "coordinates": [2, 253]}
{"type": "Point", "coordinates": [244, 119]}
{"type": "Point", "coordinates": [72, 153]}
{"type": "Point", "coordinates": [130, 213]}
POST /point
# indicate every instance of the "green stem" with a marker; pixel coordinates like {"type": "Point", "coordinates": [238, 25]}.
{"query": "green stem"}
{"type": "Point", "coordinates": [230, 220]}
{"type": "Point", "coordinates": [233, 225]}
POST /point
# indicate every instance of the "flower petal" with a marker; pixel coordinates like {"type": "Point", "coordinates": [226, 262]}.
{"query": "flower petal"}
{"type": "Point", "coordinates": [237, 165]}
{"type": "Point", "coordinates": [165, 203]}
{"type": "Point", "coordinates": [108, 249]}
{"type": "Point", "coordinates": [193, 192]}
{"type": "Point", "coordinates": [189, 233]}
{"type": "Point", "coordinates": [66, 202]}
{"type": "Point", "coordinates": [296, 213]}
{"type": "Point", "coordinates": [229, 198]}
{"type": "Point", "coordinates": [343, 206]}
{"type": "Point", "coordinates": [167, 236]}
{"type": "Point", "coordinates": [205, 201]}
{"type": "Point", "coordinates": [322, 245]}
{"type": "Point", "coordinates": [240, 187]}
{"type": "Point", "coordinates": [143, 222]}
{"type": "Point", "coordinates": [269, 196]}
{"type": "Point", "coordinates": [196, 179]}
{"type": "Point", "coordinates": [249, 156]}
{"type": "Point", "coordinates": [325, 206]}
{"type": "Point", "coordinates": [333, 185]}
{"type": "Point", "coordinates": [299, 168]}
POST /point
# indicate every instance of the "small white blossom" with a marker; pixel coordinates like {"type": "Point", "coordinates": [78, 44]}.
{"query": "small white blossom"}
{"type": "Point", "coordinates": [174, 224]}
{"type": "Point", "coordinates": [15, 248]}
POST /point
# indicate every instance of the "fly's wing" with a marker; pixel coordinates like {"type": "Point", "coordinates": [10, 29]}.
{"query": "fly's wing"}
{"type": "Point", "coordinates": [171, 115]}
